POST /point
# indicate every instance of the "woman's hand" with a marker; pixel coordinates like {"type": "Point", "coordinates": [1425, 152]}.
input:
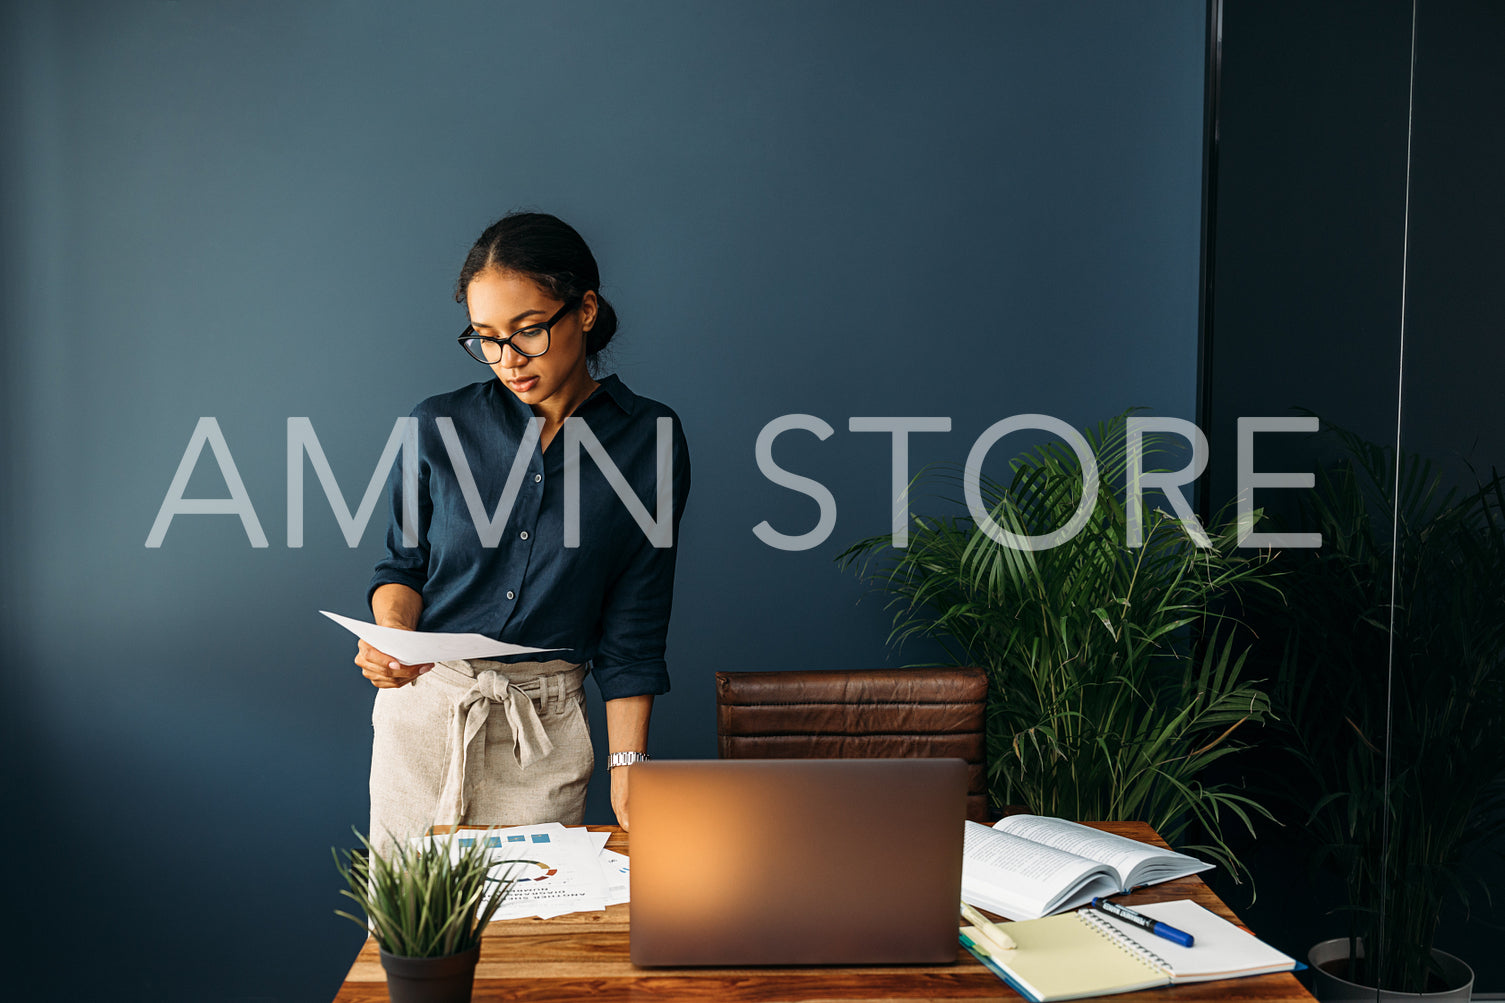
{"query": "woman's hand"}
{"type": "Point", "coordinates": [384, 671]}
{"type": "Point", "coordinates": [619, 794]}
{"type": "Point", "coordinates": [398, 607]}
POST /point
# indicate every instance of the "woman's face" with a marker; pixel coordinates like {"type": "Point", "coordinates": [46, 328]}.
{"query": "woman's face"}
{"type": "Point", "coordinates": [502, 303]}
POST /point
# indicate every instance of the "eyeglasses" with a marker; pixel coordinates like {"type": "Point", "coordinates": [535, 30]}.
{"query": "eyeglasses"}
{"type": "Point", "coordinates": [530, 341]}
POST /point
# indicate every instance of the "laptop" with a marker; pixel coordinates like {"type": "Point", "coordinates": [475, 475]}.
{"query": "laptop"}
{"type": "Point", "coordinates": [796, 861]}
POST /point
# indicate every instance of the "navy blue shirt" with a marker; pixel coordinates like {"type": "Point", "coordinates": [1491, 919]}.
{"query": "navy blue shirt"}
{"type": "Point", "coordinates": [605, 601]}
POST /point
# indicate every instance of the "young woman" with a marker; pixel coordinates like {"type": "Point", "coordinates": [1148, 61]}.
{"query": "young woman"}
{"type": "Point", "coordinates": [497, 552]}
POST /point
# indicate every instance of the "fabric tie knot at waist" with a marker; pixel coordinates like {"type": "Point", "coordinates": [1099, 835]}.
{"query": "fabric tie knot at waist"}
{"type": "Point", "coordinates": [530, 742]}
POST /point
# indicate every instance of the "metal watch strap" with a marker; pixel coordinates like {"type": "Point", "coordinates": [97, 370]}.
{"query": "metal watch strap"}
{"type": "Point", "coordinates": [624, 759]}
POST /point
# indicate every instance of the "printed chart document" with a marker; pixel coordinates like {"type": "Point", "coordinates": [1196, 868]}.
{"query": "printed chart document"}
{"type": "Point", "coordinates": [415, 647]}
{"type": "Point", "coordinates": [1086, 953]}
{"type": "Point", "coordinates": [556, 869]}
{"type": "Point", "coordinates": [1028, 866]}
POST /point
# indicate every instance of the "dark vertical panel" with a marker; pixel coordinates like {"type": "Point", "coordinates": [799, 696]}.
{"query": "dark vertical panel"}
{"type": "Point", "coordinates": [1306, 281]}
{"type": "Point", "coordinates": [1455, 342]}
{"type": "Point", "coordinates": [1311, 184]}
{"type": "Point", "coordinates": [1305, 286]}
{"type": "Point", "coordinates": [1453, 408]}
{"type": "Point", "coordinates": [1207, 267]}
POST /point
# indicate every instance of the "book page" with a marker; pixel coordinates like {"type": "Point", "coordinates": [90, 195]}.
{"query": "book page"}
{"type": "Point", "coordinates": [1119, 853]}
{"type": "Point", "coordinates": [1016, 877]}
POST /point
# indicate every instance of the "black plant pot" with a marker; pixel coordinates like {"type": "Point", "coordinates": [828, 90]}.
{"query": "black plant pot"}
{"type": "Point", "coordinates": [1329, 961]}
{"type": "Point", "coordinates": [431, 980]}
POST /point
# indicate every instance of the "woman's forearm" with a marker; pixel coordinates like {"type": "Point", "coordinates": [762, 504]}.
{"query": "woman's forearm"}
{"type": "Point", "coordinates": [626, 731]}
{"type": "Point", "coordinates": [627, 723]}
{"type": "Point", "coordinates": [396, 605]}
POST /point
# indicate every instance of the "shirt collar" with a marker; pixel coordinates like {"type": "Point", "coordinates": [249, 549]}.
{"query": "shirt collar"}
{"type": "Point", "coordinates": [618, 392]}
{"type": "Point", "coordinates": [611, 386]}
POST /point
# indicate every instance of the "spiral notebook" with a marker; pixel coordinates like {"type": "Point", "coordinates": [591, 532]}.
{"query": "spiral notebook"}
{"type": "Point", "coordinates": [1087, 953]}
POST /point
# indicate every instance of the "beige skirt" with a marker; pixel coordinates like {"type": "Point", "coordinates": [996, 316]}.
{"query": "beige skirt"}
{"type": "Point", "coordinates": [480, 743]}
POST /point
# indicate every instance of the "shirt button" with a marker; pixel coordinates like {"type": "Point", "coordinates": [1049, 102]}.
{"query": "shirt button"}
{"type": "Point", "coordinates": [537, 478]}
{"type": "Point", "coordinates": [523, 535]}
{"type": "Point", "coordinates": [510, 594]}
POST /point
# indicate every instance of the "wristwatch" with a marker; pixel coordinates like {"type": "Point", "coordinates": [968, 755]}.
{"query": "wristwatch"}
{"type": "Point", "coordinates": [624, 759]}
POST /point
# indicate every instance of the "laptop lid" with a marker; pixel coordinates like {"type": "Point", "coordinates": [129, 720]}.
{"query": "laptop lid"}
{"type": "Point", "coordinates": [796, 861]}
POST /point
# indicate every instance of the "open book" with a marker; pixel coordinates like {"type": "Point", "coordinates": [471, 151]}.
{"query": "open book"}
{"type": "Point", "coordinates": [1028, 866]}
{"type": "Point", "coordinates": [1089, 954]}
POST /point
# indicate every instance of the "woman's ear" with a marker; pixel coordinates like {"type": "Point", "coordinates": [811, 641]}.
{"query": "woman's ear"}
{"type": "Point", "coordinates": [588, 310]}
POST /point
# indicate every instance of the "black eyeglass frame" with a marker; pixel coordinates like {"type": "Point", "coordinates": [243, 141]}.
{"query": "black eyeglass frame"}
{"type": "Point", "coordinates": [548, 332]}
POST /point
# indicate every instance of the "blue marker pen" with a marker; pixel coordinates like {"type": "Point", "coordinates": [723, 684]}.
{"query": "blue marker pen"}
{"type": "Point", "coordinates": [1144, 922]}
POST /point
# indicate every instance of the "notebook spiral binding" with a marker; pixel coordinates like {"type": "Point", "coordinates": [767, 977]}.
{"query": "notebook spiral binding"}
{"type": "Point", "coordinates": [1116, 935]}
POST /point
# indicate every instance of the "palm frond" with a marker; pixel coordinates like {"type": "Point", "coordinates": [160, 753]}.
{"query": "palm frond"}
{"type": "Point", "coordinates": [1099, 707]}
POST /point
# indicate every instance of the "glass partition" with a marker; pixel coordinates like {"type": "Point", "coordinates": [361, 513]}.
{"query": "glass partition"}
{"type": "Point", "coordinates": [1352, 284]}
{"type": "Point", "coordinates": [1447, 757]}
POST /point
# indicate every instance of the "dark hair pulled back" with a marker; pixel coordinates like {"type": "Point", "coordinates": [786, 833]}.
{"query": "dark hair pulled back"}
{"type": "Point", "coordinates": [550, 252]}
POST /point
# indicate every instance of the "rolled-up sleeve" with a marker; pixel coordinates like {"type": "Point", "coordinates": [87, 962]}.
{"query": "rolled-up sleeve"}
{"type": "Point", "coordinates": [405, 565]}
{"type": "Point", "coordinates": [630, 658]}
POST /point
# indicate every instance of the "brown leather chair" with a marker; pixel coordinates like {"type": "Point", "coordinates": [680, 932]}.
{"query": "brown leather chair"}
{"type": "Point", "coordinates": [860, 713]}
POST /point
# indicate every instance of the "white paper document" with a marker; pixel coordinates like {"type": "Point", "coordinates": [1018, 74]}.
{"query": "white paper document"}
{"type": "Point", "coordinates": [615, 867]}
{"type": "Point", "coordinates": [554, 869]}
{"type": "Point", "coordinates": [415, 647]}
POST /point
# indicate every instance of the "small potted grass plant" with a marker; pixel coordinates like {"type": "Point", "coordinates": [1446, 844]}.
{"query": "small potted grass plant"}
{"type": "Point", "coordinates": [426, 904]}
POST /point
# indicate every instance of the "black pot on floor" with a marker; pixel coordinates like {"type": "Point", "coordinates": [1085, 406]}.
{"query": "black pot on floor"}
{"type": "Point", "coordinates": [1329, 960]}
{"type": "Point", "coordinates": [431, 980]}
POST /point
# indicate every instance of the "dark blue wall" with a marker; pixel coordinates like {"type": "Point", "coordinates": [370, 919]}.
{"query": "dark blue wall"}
{"type": "Point", "coordinates": [257, 211]}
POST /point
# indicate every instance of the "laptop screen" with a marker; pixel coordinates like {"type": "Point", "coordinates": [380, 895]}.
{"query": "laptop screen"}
{"type": "Point", "coordinates": [797, 861]}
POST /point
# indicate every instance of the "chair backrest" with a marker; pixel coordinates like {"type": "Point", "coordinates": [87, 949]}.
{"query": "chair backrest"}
{"type": "Point", "coordinates": [858, 713]}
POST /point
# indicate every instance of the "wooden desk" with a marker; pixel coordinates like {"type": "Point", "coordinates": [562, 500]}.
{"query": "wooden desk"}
{"type": "Point", "coordinates": [584, 956]}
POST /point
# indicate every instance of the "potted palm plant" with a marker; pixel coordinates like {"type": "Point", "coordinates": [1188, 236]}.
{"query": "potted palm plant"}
{"type": "Point", "coordinates": [1116, 676]}
{"type": "Point", "coordinates": [426, 905]}
{"type": "Point", "coordinates": [1391, 702]}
